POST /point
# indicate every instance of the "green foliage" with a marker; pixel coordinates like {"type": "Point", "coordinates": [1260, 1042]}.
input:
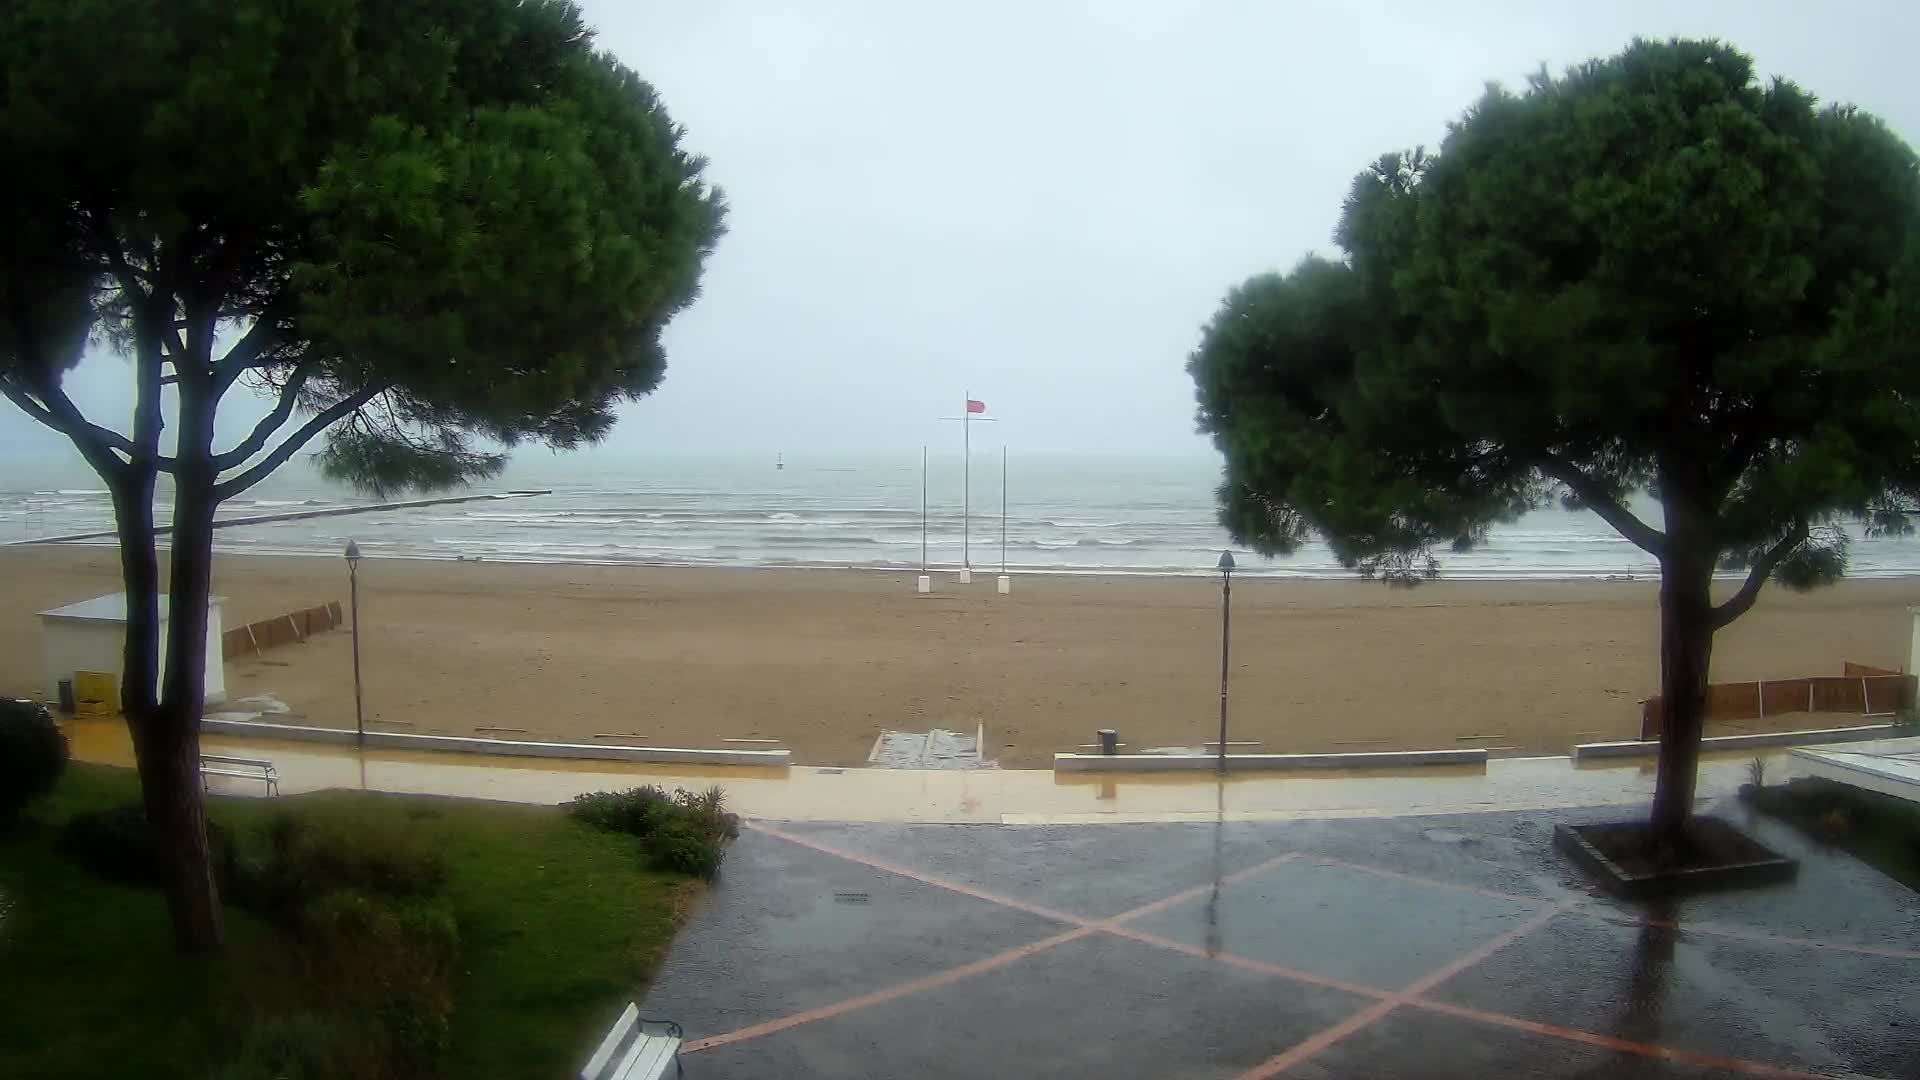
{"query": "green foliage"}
{"type": "Point", "coordinates": [684, 846]}
{"type": "Point", "coordinates": [301, 1046]}
{"type": "Point", "coordinates": [685, 832]}
{"type": "Point", "coordinates": [118, 844]}
{"type": "Point", "coordinates": [430, 231]}
{"type": "Point", "coordinates": [632, 811]}
{"type": "Point", "coordinates": [462, 215]}
{"type": "Point", "coordinates": [540, 925]}
{"type": "Point", "coordinates": [1653, 273]}
{"type": "Point", "coordinates": [295, 865]}
{"type": "Point", "coordinates": [33, 753]}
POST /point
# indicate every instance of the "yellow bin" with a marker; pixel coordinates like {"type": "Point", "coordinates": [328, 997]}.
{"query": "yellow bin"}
{"type": "Point", "coordinates": [95, 693]}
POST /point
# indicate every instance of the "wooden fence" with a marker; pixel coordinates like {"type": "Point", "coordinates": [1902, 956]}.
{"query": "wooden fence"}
{"type": "Point", "coordinates": [1863, 689]}
{"type": "Point", "coordinates": [256, 638]}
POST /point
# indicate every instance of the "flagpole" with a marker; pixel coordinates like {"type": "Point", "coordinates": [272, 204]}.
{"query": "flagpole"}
{"type": "Point", "coordinates": [966, 480]}
{"type": "Point", "coordinates": [924, 584]}
{"type": "Point", "coordinates": [1003, 509]}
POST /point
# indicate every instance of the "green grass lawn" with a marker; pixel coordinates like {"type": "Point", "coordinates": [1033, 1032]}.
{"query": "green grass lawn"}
{"type": "Point", "coordinates": [559, 924]}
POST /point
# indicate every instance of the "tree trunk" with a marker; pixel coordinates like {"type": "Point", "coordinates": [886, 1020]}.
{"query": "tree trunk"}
{"type": "Point", "coordinates": [140, 578]}
{"type": "Point", "coordinates": [1686, 653]}
{"type": "Point", "coordinates": [170, 762]}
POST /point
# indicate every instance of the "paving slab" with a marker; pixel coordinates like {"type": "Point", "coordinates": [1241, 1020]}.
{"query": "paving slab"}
{"type": "Point", "coordinates": [1456, 945]}
{"type": "Point", "coordinates": [789, 929]}
{"type": "Point", "coordinates": [1447, 1048]}
{"type": "Point", "coordinates": [1821, 1010]}
{"type": "Point", "coordinates": [1342, 923]}
{"type": "Point", "coordinates": [1091, 1007]}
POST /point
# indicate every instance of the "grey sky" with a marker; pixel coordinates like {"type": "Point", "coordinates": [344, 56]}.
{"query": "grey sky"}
{"type": "Point", "coordinates": [1042, 202]}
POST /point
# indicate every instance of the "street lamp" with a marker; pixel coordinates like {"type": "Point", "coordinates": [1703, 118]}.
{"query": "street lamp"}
{"type": "Point", "coordinates": [1226, 622]}
{"type": "Point", "coordinates": [353, 589]}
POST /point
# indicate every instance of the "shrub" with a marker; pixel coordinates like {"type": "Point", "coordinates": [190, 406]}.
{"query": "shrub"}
{"type": "Point", "coordinates": [117, 844]}
{"type": "Point", "coordinates": [709, 808]}
{"type": "Point", "coordinates": [685, 832]}
{"type": "Point", "coordinates": [686, 847]}
{"type": "Point", "coordinates": [33, 753]}
{"type": "Point", "coordinates": [300, 1046]}
{"type": "Point", "coordinates": [297, 865]}
{"type": "Point", "coordinates": [635, 811]}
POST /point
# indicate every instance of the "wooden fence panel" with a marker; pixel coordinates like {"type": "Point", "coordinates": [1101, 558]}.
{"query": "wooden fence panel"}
{"type": "Point", "coordinates": [1838, 694]}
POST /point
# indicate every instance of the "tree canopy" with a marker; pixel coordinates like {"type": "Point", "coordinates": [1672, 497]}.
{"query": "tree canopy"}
{"type": "Point", "coordinates": [414, 224]}
{"type": "Point", "coordinates": [1654, 273]}
{"type": "Point", "coordinates": [428, 230]}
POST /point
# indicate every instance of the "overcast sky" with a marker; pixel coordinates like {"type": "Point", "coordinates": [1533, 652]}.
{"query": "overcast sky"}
{"type": "Point", "coordinates": [1041, 203]}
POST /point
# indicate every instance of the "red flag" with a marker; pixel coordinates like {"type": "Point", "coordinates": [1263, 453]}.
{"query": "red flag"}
{"type": "Point", "coordinates": [976, 406]}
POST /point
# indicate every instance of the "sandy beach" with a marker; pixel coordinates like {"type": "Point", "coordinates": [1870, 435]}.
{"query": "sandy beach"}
{"type": "Point", "coordinates": [824, 660]}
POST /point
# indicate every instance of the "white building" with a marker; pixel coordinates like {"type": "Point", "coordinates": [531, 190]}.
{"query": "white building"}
{"type": "Point", "coordinates": [91, 636]}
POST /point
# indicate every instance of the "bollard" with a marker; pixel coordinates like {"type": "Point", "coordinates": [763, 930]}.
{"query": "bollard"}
{"type": "Point", "coordinates": [1109, 741]}
{"type": "Point", "coordinates": [924, 583]}
{"type": "Point", "coordinates": [966, 575]}
{"type": "Point", "coordinates": [1005, 585]}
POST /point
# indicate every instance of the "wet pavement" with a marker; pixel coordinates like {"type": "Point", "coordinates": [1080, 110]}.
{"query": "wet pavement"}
{"type": "Point", "coordinates": [1000, 796]}
{"type": "Point", "coordinates": [1410, 947]}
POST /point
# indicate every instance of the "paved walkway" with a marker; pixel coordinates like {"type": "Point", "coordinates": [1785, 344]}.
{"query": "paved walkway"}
{"type": "Point", "coordinates": [1408, 947]}
{"type": "Point", "coordinates": [985, 796]}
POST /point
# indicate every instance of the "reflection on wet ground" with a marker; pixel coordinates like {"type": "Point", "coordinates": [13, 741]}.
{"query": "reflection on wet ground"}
{"type": "Point", "coordinates": [1408, 947]}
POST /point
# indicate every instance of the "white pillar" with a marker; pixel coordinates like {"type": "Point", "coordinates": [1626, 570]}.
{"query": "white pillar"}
{"type": "Point", "coordinates": [923, 584]}
{"type": "Point", "coordinates": [1005, 584]}
{"type": "Point", "coordinates": [1913, 643]}
{"type": "Point", "coordinates": [966, 575]}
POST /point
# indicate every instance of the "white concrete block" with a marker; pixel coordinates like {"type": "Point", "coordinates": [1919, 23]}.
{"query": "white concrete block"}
{"type": "Point", "coordinates": [923, 584]}
{"type": "Point", "coordinates": [1811, 737]}
{"type": "Point", "coordinates": [1374, 759]}
{"type": "Point", "coordinates": [1004, 585]}
{"type": "Point", "coordinates": [395, 740]}
{"type": "Point", "coordinates": [966, 576]}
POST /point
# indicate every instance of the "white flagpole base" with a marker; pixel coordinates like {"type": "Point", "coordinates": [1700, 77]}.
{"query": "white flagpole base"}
{"type": "Point", "coordinates": [923, 584]}
{"type": "Point", "coordinates": [1005, 584]}
{"type": "Point", "coordinates": [966, 576]}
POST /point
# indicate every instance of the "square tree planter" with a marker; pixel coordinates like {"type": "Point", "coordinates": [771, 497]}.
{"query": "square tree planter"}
{"type": "Point", "coordinates": [1620, 856]}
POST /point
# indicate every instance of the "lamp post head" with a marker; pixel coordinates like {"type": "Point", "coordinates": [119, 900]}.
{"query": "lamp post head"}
{"type": "Point", "coordinates": [1226, 563]}
{"type": "Point", "coordinates": [353, 554]}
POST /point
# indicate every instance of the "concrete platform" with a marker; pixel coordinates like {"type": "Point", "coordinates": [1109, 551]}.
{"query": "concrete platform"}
{"type": "Point", "coordinates": [1407, 948]}
{"type": "Point", "coordinates": [1890, 766]}
{"type": "Point", "coordinates": [1723, 743]}
{"type": "Point", "coordinates": [256, 731]}
{"type": "Point", "coordinates": [975, 796]}
{"type": "Point", "coordinates": [1366, 759]}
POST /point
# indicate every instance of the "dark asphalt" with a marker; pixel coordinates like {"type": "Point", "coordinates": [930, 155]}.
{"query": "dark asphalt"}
{"type": "Point", "coordinates": [1377, 948]}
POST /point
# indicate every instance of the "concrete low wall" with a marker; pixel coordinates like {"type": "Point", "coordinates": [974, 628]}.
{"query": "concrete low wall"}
{"type": "Point", "coordinates": [394, 740]}
{"type": "Point", "coordinates": [1375, 759]}
{"type": "Point", "coordinates": [1814, 737]}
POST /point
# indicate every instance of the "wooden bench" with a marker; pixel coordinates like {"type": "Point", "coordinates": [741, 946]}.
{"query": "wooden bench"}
{"type": "Point", "coordinates": [242, 768]}
{"type": "Point", "coordinates": [636, 1049]}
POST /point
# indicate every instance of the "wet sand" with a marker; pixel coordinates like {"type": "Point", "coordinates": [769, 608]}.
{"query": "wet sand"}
{"type": "Point", "coordinates": [824, 660]}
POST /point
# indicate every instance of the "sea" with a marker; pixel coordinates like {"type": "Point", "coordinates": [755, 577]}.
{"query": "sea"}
{"type": "Point", "coordinates": [1053, 514]}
